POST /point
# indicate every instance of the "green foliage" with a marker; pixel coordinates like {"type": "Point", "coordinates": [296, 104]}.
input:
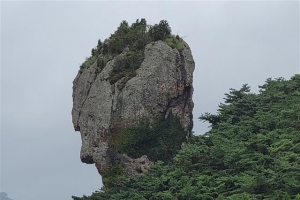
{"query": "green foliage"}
{"type": "Point", "coordinates": [125, 66]}
{"type": "Point", "coordinates": [160, 31]}
{"type": "Point", "coordinates": [175, 42]}
{"type": "Point", "coordinates": [100, 64]}
{"type": "Point", "coordinates": [134, 38]}
{"type": "Point", "coordinates": [111, 175]}
{"type": "Point", "coordinates": [251, 152]}
{"type": "Point", "coordinates": [87, 63]}
{"type": "Point", "coordinates": [159, 140]}
{"type": "Point", "coordinates": [107, 58]}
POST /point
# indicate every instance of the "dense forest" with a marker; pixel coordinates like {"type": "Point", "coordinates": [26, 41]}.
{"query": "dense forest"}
{"type": "Point", "coordinates": [252, 151]}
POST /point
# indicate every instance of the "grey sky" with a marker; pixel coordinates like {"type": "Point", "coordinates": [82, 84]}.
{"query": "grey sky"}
{"type": "Point", "coordinates": [43, 44]}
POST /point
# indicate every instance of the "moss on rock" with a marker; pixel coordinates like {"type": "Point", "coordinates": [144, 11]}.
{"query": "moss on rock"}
{"type": "Point", "coordinates": [159, 140]}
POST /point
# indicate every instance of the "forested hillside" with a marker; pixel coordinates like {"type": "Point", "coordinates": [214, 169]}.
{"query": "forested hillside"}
{"type": "Point", "coordinates": [251, 152]}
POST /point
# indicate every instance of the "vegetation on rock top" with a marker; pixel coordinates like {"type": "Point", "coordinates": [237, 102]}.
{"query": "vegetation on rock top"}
{"type": "Point", "coordinates": [131, 40]}
{"type": "Point", "coordinates": [251, 152]}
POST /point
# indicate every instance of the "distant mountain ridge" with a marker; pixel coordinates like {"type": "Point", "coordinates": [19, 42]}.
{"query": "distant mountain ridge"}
{"type": "Point", "coordinates": [3, 196]}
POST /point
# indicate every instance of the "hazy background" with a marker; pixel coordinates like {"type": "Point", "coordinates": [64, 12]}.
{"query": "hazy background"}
{"type": "Point", "coordinates": [44, 43]}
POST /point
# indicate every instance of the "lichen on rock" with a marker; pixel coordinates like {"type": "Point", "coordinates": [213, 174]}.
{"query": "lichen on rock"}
{"type": "Point", "coordinates": [156, 92]}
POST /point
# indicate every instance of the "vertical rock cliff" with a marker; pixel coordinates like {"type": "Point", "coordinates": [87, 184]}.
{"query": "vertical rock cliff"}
{"type": "Point", "coordinates": [107, 112]}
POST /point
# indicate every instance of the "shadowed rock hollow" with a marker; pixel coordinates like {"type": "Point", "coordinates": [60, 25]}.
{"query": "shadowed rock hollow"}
{"type": "Point", "coordinates": [110, 114]}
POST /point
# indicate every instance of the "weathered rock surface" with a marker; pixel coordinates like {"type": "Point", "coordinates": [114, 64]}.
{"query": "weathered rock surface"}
{"type": "Point", "coordinates": [162, 85]}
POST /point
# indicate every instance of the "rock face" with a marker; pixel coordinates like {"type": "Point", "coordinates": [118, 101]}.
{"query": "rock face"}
{"type": "Point", "coordinates": [162, 85]}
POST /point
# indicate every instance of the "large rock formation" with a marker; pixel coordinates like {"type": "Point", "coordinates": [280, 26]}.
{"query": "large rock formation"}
{"type": "Point", "coordinates": [163, 85]}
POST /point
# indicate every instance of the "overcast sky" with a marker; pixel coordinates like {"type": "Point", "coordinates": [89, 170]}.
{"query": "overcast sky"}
{"type": "Point", "coordinates": [44, 43]}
